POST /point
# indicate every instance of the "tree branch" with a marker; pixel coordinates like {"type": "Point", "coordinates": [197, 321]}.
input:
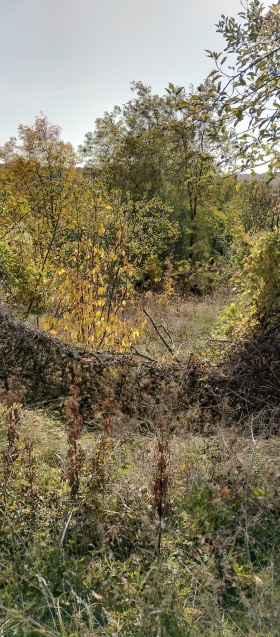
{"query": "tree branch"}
{"type": "Point", "coordinates": [160, 335]}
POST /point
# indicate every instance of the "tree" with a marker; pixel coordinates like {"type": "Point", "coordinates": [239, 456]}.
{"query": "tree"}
{"type": "Point", "coordinates": [41, 168]}
{"type": "Point", "coordinates": [249, 95]}
{"type": "Point", "coordinates": [127, 147]}
{"type": "Point", "coordinates": [67, 248]}
{"type": "Point", "coordinates": [92, 283]}
{"type": "Point", "coordinates": [39, 180]}
{"type": "Point", "coordinates": [151, 147]}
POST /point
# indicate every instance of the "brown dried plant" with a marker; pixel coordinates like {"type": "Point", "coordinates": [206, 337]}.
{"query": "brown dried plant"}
{"type": "Point", "coordinates": [29, 462]}
{"type": "Point", "coordinates": [99, 476]}
{"type": "Point", "coordinates": [75, 455]}
{"type": "Point", "coordinates": [160, 482]}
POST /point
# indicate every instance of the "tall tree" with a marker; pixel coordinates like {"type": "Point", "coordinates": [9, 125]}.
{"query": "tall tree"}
{"type": "Point", "coordinates": [127, 147]}
{"type": "Point", "coordinates": [38, 169]}
{"type": "Point", "coordinates": [151, 146]}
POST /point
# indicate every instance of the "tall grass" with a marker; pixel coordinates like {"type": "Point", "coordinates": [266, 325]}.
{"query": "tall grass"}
{"type": "Point", "coordinates": [90, 565]}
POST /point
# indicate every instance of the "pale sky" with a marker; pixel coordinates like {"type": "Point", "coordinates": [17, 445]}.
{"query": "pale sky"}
{"type": "Point", "coordinates": [75, 59]}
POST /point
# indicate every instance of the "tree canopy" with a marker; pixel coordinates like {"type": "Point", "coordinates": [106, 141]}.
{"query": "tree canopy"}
{"type": "Point", "coordinates": [247, 82]}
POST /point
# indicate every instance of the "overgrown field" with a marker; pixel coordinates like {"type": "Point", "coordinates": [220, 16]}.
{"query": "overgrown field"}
{"type": "Point", "coordinates": [144, 501]}
{"type": "Point", "coordinates": [125, 524]}
{"type": "Point", "coordinates": [189, 321]}
{"type": "Point", "coordinates": [163, 535]}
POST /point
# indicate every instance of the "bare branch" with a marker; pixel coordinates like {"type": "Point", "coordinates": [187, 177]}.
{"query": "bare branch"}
{"type": "Point", "coordinates": [148, 358]}
{"type": "Point", "coordinates": [157, 329]}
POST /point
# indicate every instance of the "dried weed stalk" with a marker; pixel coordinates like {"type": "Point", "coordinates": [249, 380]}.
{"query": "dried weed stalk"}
{"type": "Point", "coordinates": [160, 482]}
{"type": "Point", "coordinates": [75, 455]}
{"type": "Point", "coordinates": [10, 451]}
{"type": "Point", "coordinates": [99, 475]}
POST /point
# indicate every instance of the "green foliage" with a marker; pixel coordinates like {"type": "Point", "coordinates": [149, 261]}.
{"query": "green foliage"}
{"type": "Point", "coordinates": [258, 304]}
{"type": "Point", "coordinates": [258, 206]}
{"type": "Point", "coordinates": [50, 211]}
{"type": "Point", "coordinates": [18, 276]}
{"type": "Point", "coordinates": [150, 148]}
{"type": "Point", "coordinates": [127, 149]}
{"type": "Point", "coordinates": [249, 66]}
{"type": "Point", "coordinates": [198, 278]}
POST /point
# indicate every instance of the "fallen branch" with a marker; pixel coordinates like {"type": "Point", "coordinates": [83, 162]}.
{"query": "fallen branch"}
{"type": "Point", "coordinates": [163, 326]}
{"type": "Point", "coordinates": [157, 329]}
{"type": "Point", "coordinates": [148, 358]}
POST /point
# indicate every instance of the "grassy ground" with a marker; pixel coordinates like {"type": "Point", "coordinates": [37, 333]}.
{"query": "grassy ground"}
{"type": "Point", "coordinates": [189, 321]}
{"type": "Point", "coordinates": [100, 563]}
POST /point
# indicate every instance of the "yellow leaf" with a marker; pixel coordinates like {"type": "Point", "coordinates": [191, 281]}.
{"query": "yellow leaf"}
{"type": "Point", "coordinates": [97, 596]}
{"type": "Point", "coordinates": [258, 581]}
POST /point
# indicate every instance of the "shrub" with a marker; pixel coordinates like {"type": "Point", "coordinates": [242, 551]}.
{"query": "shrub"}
{"type": "Point", "coordinates": [258, 301]}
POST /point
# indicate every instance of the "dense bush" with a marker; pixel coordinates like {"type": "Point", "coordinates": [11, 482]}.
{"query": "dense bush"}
{"type": "Point", "coordinates": [258, 299]}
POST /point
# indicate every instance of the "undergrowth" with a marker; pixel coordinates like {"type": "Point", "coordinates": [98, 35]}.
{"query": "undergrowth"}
{"type": "Point", "coordinates": [160, 536]}
{"type": "Point", "coordinates": [189, 321]}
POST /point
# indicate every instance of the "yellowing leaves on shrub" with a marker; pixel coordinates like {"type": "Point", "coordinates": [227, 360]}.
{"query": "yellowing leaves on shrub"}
{"type": "Point", "coordinates": [89, 295]}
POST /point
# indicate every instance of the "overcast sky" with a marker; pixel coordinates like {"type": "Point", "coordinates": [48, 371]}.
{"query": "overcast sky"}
{"type": "Point", "coordinates": [74, 59]}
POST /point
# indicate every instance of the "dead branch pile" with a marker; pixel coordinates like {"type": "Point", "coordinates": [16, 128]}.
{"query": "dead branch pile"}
{"type": "Point", "coordinates": [44, 367]}
{"type": "Point", "coordinates": [40, 368]}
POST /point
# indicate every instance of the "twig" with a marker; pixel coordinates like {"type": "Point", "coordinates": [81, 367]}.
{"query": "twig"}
{"type": "Point", "coordinates": [245, 507]}
{"type": "Point", "coordinates": [252, 432]}
{"type": "Point", "coordinates": [219, 340]}
{"type": "Point", "coordinates": [148, 358]}
{"type": "Point", "coordinates": [160, 335]}
{"type": "Point", "coordinates": [168, 334]}
{"type": "Point", "coordinates": [180, 347]}
{"type": "Point", "coordinates": [65, 529]}
{"type": "Point", "coordinates": [44, 587]}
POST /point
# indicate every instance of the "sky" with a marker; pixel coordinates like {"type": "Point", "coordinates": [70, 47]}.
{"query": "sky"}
{"type": "Point", "coordinates": [72, 60]}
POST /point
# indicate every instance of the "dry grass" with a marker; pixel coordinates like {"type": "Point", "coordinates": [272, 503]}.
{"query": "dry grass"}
{"type": "Point", "coordinates": [189, 321]}
{"type": "Point", "coordinates": [217, 574]}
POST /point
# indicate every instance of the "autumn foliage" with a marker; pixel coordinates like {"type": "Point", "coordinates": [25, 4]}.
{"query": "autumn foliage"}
{"type": "Point", "coordinates": [139, 451]}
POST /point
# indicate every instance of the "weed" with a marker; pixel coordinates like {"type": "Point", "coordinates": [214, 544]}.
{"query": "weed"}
{"type": "Point", "coordinates": [75, 455]}
{"type": "Point", "coordinates": [160, 482]}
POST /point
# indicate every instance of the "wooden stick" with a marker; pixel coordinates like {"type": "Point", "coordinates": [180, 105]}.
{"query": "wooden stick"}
{"type": "Point", "coordinates": [160, 335]}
